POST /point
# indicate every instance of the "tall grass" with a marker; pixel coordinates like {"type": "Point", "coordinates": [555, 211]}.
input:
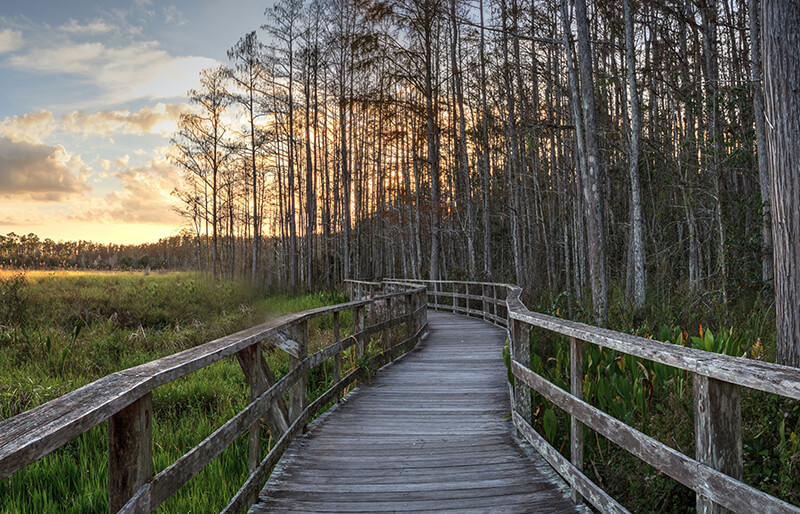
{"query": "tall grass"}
{"type": "Point", "coordinates": [63, 330]}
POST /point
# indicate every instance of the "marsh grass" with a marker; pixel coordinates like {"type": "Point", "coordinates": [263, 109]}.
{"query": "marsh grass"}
{"type": "Point", "coordinates": [63, 330]}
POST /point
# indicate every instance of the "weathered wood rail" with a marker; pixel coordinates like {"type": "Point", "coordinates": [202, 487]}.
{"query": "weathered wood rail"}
{"type": "Point", "coordinates": [125, 400]}
{"type": "Point", "coordinates": [715, 473]}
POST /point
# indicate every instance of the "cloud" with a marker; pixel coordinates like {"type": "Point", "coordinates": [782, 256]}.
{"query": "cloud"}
{"type": "Point", "coordinates": [173, 15]}
{"type": "Point", "coordinates": [10, 40]}
{"type": "Point", "coordinates": [32, 127]}
{"type": "Point", "coordinates": [95, 27]}
{"type": "Point", "coordinates": [145, 196]}
{"type": "Point", "coordinates": [162, 119]}
{"type": "Point", "coordinates": [20, 221]}
{"type": "Point", "coordinates": [40, 172]}
{"type": "Point", "coordinates": [123, 73]}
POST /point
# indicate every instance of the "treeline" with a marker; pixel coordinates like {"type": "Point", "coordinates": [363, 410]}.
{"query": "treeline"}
{"type": "Point", "coordinates": [559, 145]}
{"type": "Point", "coordinates": [31, 253]}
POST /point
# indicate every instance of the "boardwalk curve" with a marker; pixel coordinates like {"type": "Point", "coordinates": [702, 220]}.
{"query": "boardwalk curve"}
{"type": "Point", "coordinates": [429, 433]}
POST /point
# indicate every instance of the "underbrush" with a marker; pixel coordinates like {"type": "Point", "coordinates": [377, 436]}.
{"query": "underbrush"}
{"type": "Point", "coordinates": [60, 331]}
{"type": "Point", "coordinates": [658, 399]}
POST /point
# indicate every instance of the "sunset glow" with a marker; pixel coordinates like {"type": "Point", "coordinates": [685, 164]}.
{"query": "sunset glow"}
{"type": "Point", "coordinates": [90, 94]}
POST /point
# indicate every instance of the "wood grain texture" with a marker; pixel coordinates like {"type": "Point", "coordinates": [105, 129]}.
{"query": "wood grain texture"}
{"type": "Point", "coordinates": [581, 485]}
{"type": "Point", "coordinates": [714, 485]}
{"type": "Point", "coordinates": [429, 432]}
{"type": "Point", "coordinates": [130, 451]}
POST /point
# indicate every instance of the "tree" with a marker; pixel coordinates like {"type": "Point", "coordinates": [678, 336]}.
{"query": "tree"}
{"type": "Point", "coordinates": [285, 17]}
{"type": "Point", "coordinates": [781, 39]}
{"type": "Point", "coordinates": [594, 176]}
{"type": "Point", "coordinates": [761, 143]}
{"type": "Point", "coordinates": [248, 75]}
{"type": "Point", "coordinates": [201, 145]}
{"type": "Point", "coordinates": [637, 232]}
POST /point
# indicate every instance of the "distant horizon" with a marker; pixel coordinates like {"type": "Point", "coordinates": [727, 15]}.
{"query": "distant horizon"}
{"type": "Point", "coordinates": [130, 241]}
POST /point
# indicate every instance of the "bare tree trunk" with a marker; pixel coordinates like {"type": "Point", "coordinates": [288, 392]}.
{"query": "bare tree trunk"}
{"type": "Point", "coordinates": [311, 208]}
{"type": "Point", "coordinates": [462, 143]}
{"type": "Point", "coordinates": [761, 143]}
{"type": "Point", "coordinates": [781, 40]}
{"type": "Point", "coordinates": [486, 171]}
{"type": "Point", "coordinates": [432, 132]}
{"type": "Point", "coordinates": [637, 239]}
{"type": "Point", "coordinates": [709, 16]}
{"type": "Point", "coordinates": [594, 178]}
{"type": "Point", "coordinates": [580, 154]}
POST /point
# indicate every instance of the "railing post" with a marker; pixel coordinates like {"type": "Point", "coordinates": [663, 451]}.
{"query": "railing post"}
{"type": "Point", "coordinates": [389, 317]}
{"type": "Point", "coordinates": [718, 431]}
{"type": "Point", "coordinates": [576, 388]}
{"type": "Point", "coordinates": [484, 307]}
{"type": "Point", "coordinates": [298, 394]}
{"type": "Point", "coordinates": [337, 359]}
{"type": "Point", "coordinates": [521, 352]}
{"type": "Point", "coordinates": [408, 299]}
{"type": "Point", "coordinates": [494, 304]}
{"type": "Point", "coordinates": [249, 361]}
{"type": "Point", "coordinates": [453, 296]}
{"type": "Point", "coordinates": [358, 326]}
{"type": "Point", "coordinates": [130, 451]}
{"type": "Point", "coordinates": [423, 312]}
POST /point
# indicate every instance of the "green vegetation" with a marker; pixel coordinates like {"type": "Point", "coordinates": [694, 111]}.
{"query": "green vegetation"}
{"type": "Point", "coordinates": [657, 399]}
{"type": "Point", "coordinates": [60, 331]}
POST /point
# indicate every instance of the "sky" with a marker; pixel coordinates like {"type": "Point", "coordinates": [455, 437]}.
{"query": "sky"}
{"type": "Point", "coordinates": [90, 94]}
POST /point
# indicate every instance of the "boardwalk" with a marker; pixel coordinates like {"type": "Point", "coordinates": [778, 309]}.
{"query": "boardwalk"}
{"type": "Point", "coordinates": [429, 433]}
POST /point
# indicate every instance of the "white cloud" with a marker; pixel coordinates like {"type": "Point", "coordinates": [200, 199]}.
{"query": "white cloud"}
{"type": "Point", "coordinates": [173, 15]}
{"type": "Point", "coordinates": [124, 73]}
{"type": "Point", "coordinates": [10, 40]}
{"type": "Point", "coordinates": [32, 127]}
{"type": "Point", "coordinates": [144, 197]}
{"type": "Point", "coordinates": [161, 119]}
{"type": "Point", "coordinates": [95, 27]}
{"type": "Point", "coordinates": [40, 172]}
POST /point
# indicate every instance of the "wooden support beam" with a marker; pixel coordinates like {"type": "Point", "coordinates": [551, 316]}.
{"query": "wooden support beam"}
{"type": "Point", "coordinates": [130, 451]}
{"type": "Point", "coordinates": [521, 352]}
{"type": "Point", "coordinates": [337, 359]}
{"type": "Point", "coordinates": [259, 379]}
{"type": "Point", "coordinates": [718, 432]}
{"type": "Point", "coordinates": [298, 394]}
{"type": "Point", "coordinates": [358, 326]}
{"type": "Point", "coordinates": [494, 304]}
{"type": "Point", "coordinates": [388, 334]}
{"type": "Point", "coordinates": [576, 427]}
{"type": "Point", "coordinates": [484, 307]}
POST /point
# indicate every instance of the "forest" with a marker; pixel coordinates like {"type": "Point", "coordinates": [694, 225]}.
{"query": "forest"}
{"type": "Point", "coordinates": [588, 153]}
{"type": "Point", "coordinates": [571, 149]}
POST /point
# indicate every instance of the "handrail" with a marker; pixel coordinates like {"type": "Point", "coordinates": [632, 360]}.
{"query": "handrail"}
{"type": "Point", "coordinates": [715, 473]}
{"type": "Point", "coordinates": [124, 398]}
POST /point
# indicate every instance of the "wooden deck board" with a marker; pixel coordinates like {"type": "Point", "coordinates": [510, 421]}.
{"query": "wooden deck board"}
{"type": "Point", "coordinates": [429, 433]}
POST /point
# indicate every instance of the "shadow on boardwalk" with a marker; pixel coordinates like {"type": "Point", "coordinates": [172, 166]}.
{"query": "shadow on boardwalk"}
{"type": "Point", "coordinates": [429, 432]}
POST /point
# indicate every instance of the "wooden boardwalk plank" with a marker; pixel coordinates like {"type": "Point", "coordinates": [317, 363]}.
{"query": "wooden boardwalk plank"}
{"type": "Point", "coordinates": [429, 433]}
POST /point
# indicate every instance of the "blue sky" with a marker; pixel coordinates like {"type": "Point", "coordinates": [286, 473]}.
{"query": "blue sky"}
{"type": "Point", "coordinates": [90, 93]}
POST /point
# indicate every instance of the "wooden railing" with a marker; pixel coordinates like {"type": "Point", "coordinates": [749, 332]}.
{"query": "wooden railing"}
{"type": "Point", "coordinates": [716, 471]}
{"type": "Point", "coordinates": [125, 400]}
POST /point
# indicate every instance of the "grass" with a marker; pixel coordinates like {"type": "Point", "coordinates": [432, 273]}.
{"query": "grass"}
{"type": "Point", "coordinates": [62, 330]}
